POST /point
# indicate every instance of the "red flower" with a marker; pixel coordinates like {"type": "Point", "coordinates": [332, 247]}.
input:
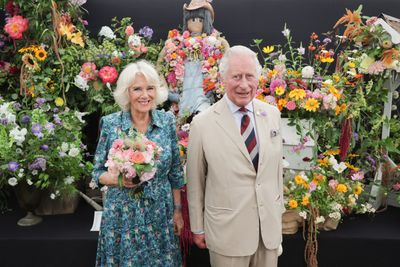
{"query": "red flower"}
{"type": "Point", "coordinates": [108, 74]}
{"type": "Point", "coordinates": [16, 26]}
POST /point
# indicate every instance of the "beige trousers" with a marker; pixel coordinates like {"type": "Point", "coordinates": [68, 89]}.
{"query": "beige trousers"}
{"type": "Point", "coordinates": [263, 257]}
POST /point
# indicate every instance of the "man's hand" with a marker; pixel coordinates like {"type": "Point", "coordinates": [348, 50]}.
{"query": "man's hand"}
{"type": "Point", "coordinates": [200, 240]}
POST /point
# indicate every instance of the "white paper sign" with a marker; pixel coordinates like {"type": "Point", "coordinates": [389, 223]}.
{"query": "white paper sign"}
{"type": "Point", "coordinates": [96, 221]}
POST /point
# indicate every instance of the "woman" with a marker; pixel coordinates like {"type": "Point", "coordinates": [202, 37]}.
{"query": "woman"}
{"type": "Point", "coordinates": [140, 231]}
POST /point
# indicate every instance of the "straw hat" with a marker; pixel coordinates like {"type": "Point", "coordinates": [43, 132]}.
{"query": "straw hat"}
{"type": "Point", "coordinates": [196, 4]}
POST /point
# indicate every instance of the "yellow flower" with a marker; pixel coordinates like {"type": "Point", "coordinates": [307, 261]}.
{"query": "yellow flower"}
{"type": "Point", "coordinates": [353, 155]}
{"type": "Point", "coordinates": [30, 62]}
{"type": "Point", "coordinates": [332, 152]}
{"type": "Point", "coordinates": [327, 59]}
{"type": "Point", "coordinates": [340, 109]}
{"type": "Point", "coordinates": [323, 162]}
{"type": "Point", "coordinates": [335, 92]}
{"type": "Point", "coordinates": [294, 73]}
{"type": "Point", "coordinates": [66, 29]}
{"type": "Point", "coordinates": [342, 188]}
{"type": "Point", "coordinates": [319, 177]}
{"type": "Point", "coordinates": [279, 90]}
{"type": "Point", "coordinates": [298, 179]}
{"type": "Point", "coordinates": [281, 103]}
{"type": "Point", "coordinates": [336, 78]}
{"type": "Point", "coordinates": [357, 189]}
{"type": "Point", "coordinates": [77, 39]}
{"type": "Point", "coordinates": [312, 104]}
{"type": "Point", "coordinates": [352, 64]}
{"type": "Point", "coordinates": [40, 54]}
{"type": "Point", "coordinates": [268, 49]}
{"type": "Point", "coordinates": [305, 201]}
{"type": "Point", "coordinates": [352, 167]}
{"type": "Point", "coordinates": [297, 94]}
{"type": "Point", "coordinates": [59, 102]}
{"type": "Point", "coordinates": [272, 73]}
{"type": "Point", "coordinates": [293, 204]}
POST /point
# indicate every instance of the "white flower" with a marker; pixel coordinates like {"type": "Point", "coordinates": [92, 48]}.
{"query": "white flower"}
{"type": "Point", "coordinates": [81, 83]}
{"type": "Point", "coordinates": [92, 184]}
{"type": "Point", "coordinates": [352, 200]}
{"type": "Point", "coordinates": [18, 135]}
{"type": "Point", "coordinates": [301, 50]}
{"type": "Point", "coordinates": [339, 167]}
{"type": "Point", "coordinates": [69, 180]}
{"type": "Point", "coordinates": [77, 2]}
{"type": "Point", "coordinates": [303, 215]}
{"type": "Point", "coordinates": [282, 58]}
{"type": "Point", "coordinates": [20, 175]}
{"type": "Point", "coordinates": [29, 182]}
{"type": "Point", "coordinates": [79, 115]}
{"type": "Point", "coordinates": [34, 172]}
{"type": "Point", "coordinates": [336, 206]}
{"type": "Point", "coordinates": [134, 40]}
{"type": "Point", "coordinates": [13, 181]}
{"type": "Point", "coordinates": [52, 196]}
{"type": "Point", "coordinates": [319, 219]}
{"type": "Point", "coordinates": [74, 152]}
{"type": "Point", "coordinates": [307, 72]}
{"type": "Point", "coordinates": [286, 32]}
{"type": "Point", "coordinates": [335, 215]}
{"type": "Point", "coordinates": [211, 40]}
{"type": "Point", "coordinates": [332, 160]}
{"type": "Point", "coordinates": [185, 127]}
{"type": "Point", "coordinates": [104, 189]}
{"type": "Point", "coordinates": [107, 32]}
{"type": "Point", "coordinates": [64, 147]}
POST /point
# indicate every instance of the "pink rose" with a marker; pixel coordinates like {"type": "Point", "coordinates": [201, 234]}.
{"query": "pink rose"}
{"type": "Point", "coordinates": [291, 105]}
{"type": "Point", "coordinates": [129, 30]}
{"type": "Point", "coordinates": [118, 143]}
{"type": "Point", "coordinates": [186, 34]}
{"type": "Point", "coordinates": [108, 74]}
{"type": "Point", "coordinates": [138, 157]}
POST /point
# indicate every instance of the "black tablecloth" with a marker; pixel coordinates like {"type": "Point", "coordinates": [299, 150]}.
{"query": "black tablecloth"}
{"type": "Point", "coordinates": [65, 240]}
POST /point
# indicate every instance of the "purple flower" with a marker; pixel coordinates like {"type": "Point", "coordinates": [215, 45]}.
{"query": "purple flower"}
{"type": "Point", "coordinates": [37, 130]}
{"type": "Point", "coordinates": [44, 147]}
{"type": "Point", "coordinates": [57, 119]}
{"type": "Point", "coordinates": [327, 40]}
{"type": "Point", "coordinates": [55, 110]}
{"type": "Point", "coordinates": [83, 147]}
{"type": "Point", "coordinates": [13, 166]}
{"type": "Point", "coordinates": [146, 32]}
{"type": "Point", "coordinates": [183, 134]}
{"type": "Point", "coordinates": [38, 163]}
{"type": "Point", "coordinates": [25, 119]}
{"type": "Point", "coordinates": [50, 127]}
{"type": "Point", "coordinates": [17, 106]}
{"type": "Point", "coordinates": [4, 121]}
{"type": "Point", "coordinates": [356, 136]}
{"type": "Point", "coordinates": [39, 102]}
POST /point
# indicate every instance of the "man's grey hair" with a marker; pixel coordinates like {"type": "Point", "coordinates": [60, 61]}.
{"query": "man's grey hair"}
{"type": "Point", "coordinates": [238, 50]}
{"type": "Point", "coordinates": [127, 77]}
{"type": "Point", "coordinates": [202, 13]}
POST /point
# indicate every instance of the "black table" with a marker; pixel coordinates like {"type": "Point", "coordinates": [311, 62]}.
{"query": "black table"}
{"type": "Point", "coordinates": [65, 240]}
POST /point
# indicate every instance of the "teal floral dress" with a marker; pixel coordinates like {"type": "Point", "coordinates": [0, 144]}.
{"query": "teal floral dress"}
{"type": "Point", "coordinates": [139, 231]}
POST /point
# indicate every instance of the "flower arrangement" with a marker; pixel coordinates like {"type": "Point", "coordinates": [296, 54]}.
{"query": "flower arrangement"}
{"type": "Point", "coordinates": [118, 46]}
{"type": "Point", "coordinates": [206, 48]}
{"type": "Point", "coordinates": [134, 157]}
{"type": "Point", "coordinates": [41, 147]}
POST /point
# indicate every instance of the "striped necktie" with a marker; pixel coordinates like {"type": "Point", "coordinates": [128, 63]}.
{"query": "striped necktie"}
{"type": "Point", "coordinates": [249, 136]}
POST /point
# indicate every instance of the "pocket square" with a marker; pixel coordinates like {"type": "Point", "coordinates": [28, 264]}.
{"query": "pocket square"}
{"type": "Point", "coordinates": [274, 133]}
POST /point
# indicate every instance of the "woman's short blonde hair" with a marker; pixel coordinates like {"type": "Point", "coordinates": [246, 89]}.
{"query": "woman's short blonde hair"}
{"type": "Point", "coordinates": [127, 77]}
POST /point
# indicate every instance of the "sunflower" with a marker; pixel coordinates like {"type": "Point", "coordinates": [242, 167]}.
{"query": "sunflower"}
{"type": "Point", "coordinates": [40, 54]}
{"type": "Point", "coordinates": [30, 61]}
{"type": "Point", "coordinates": [297, 94]}
{"type": "Point", "coordinates": [311, 105]}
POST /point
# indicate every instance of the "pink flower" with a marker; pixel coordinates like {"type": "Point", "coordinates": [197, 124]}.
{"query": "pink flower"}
{"type": "Point", "coordinates": [118, 144]}
{"type": "Point", "coordinates": [276, 83]}
{"type": "Point", "coordinates": [291, 105]}
{"type": "Point", "coordinates": [313, 186]}
{"type": "Point", "coordinates": [179, 70]}
{"type": "Point", "coordinates": [129, 30]}
{"type": "Point", "coordinates": [129, 171]}
{"type": "Point", "coordinates": [186, 34]}
{"type": "Point", "coordinates": [396, 186]}
{"type": "Point", "coordinates": [171, 78]}
{"type": "Point", "coordinates": [147, 175]}
{"type": "Point", "coordinates": [108, 74]}
{"type": "Point", "coordinates": [317, 94]}
{"type": "Point", "coordinates": [376, 67]}
{"type": "Point", "coordinates": [329, 101]}
{"type": "Point", "coordinates": [16, 26]}
{"type": "Point", "coordinates": [371, 20]}
{"type": "Point", "coordinates": [357, 176]}
{"type": "Point", "coordinates": [333, 184]}
{"type": "Point", "coordinates": [88, 71]}
{"type": "Point", "coordinates": [138, 157]}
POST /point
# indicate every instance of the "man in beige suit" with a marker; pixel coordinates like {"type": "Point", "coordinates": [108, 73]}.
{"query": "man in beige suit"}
{"type": "Point", "coordinates": [234, 170]}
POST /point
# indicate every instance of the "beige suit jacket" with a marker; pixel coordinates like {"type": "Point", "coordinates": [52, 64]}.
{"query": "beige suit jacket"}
{"type": "Point", "coordinates": [228, 199]}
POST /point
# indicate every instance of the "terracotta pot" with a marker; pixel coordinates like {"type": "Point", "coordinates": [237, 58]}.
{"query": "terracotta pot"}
{"type": "Point", "coordinates": [291, 221]}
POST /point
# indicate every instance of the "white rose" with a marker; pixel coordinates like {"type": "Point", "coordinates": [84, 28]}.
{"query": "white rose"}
{"type": "Point", "coordinates": [307, 72]}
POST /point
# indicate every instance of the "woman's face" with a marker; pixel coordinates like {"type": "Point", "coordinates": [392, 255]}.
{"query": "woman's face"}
{"type": "Point", "coordinates": [142, 95]}
{"type": "Point", "coordinates": [195, 25]}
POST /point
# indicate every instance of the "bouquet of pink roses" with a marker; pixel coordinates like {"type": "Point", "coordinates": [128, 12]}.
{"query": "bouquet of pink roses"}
{"type": "Point", "coordinates": [134, 158]}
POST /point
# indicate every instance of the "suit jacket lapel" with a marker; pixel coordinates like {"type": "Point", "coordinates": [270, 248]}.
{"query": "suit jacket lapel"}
{"type": "Point", "coordinates": [227, 122]}
{"type": "Point", "coordinates": [263, 130]}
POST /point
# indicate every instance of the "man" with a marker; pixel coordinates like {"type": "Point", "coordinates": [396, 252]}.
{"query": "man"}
{"type": "Point", "coordinates": [234, 169]}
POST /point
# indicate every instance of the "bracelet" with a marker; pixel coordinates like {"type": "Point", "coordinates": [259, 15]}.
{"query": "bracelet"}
{"type": "Point", "coordinates": [177, 207]}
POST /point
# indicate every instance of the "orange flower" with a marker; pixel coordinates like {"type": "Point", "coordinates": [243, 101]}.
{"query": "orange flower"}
{"type": "Point", "coordinates": [305, 201]}
{"type": "Point", "coordinates": [293, 204]}
{"type": "Point", "coordinates": [137, 157]}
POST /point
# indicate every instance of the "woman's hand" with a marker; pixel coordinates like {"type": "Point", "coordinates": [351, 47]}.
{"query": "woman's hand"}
{"type": "Point", "coordinates": [178, 222]}
{"type": "Point", "coordinates": [128, 183]}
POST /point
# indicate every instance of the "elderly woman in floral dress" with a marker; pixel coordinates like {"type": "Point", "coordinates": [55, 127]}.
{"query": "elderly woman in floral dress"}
{"type": "Point", "coordinates": [140, 231]}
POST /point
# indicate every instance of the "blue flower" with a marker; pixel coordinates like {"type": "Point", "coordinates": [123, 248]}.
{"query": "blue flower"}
{"type": "Point", "coordinates": [146, 32]}
{"type": "Point", "coordinates": [13, 166]}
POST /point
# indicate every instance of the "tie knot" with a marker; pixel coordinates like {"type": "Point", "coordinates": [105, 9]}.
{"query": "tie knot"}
{"type": "Point", "coordinates": [243, 110]}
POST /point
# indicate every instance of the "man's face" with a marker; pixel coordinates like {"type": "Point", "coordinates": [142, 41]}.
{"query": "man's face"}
{"type": "Point", "coordinates": [240, 79]}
